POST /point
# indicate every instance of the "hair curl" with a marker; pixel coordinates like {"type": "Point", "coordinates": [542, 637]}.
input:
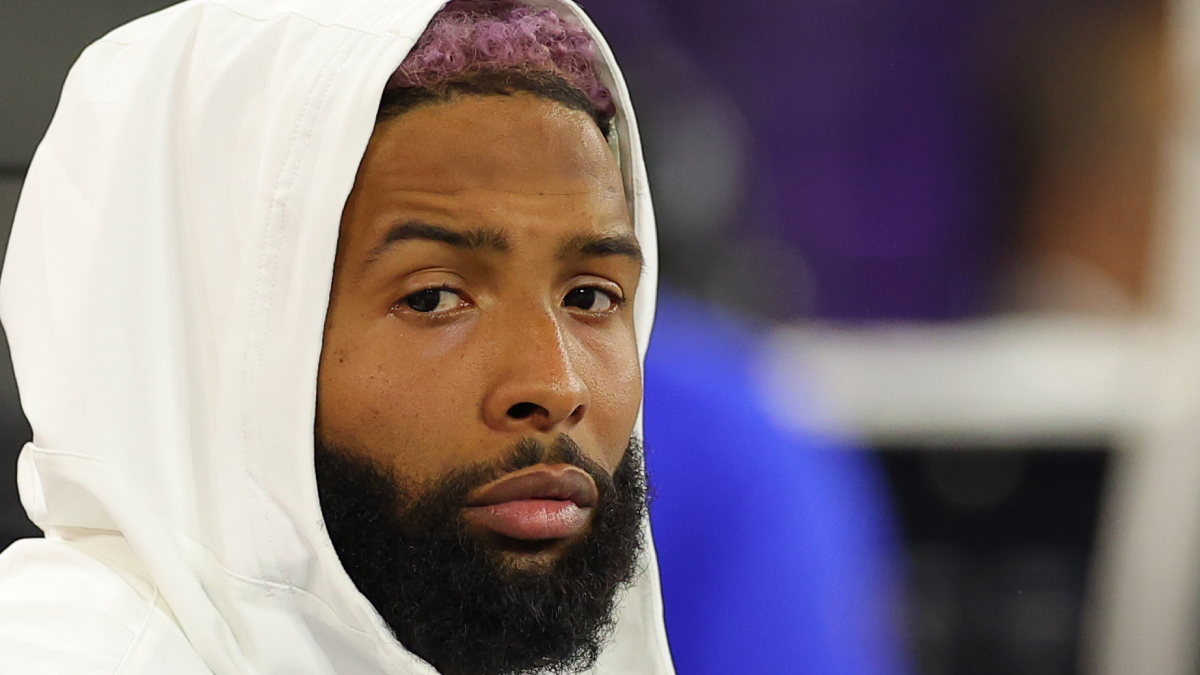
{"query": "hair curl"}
{"type": "Point", "coordinates": [500, 47]}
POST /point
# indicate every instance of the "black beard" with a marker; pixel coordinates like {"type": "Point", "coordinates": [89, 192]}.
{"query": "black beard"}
{"type": "Point", "coordinates": [452, 600]}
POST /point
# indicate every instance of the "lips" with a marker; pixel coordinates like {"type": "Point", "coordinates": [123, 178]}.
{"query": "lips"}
{"type": "Point", "coordinates": [538, 503]}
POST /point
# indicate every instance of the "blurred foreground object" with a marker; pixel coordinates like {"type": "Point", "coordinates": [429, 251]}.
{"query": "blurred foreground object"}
{"type": "Point", "coordinates": [777, 549]}
{"type": "Point", "coordinates": [985, 389]}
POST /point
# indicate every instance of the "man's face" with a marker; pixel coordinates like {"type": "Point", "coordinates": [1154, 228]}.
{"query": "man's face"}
{"type": "Point", "coordinates": [483, 293]}
{"type": "Point", "coordinates": [479, 383]}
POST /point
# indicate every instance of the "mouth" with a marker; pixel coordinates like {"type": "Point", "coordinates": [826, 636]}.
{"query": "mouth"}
{"type": "Point", "coordinates": [538, 503]}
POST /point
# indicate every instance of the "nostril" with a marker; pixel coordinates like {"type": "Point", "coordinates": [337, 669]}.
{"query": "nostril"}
{"type": "Point", "coordinates": [522, 410]}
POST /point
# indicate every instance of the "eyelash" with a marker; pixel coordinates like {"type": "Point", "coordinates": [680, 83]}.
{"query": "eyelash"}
{"type": "Point", "coordinates": [402, 303]}
{"type": "Point", "coordinates": [616, 301]}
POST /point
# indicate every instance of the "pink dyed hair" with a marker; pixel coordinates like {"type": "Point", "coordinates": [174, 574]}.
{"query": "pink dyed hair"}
{"type": "Point", "coordinates": [473, 37]}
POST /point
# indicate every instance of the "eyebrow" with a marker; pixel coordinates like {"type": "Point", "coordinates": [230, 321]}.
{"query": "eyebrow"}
{"type": "Point", "coordinates": [599, 246]}
{"type": "Point", "coordinates": [494, 240]}
{"type": "Point", "coordinates": [474, 239]}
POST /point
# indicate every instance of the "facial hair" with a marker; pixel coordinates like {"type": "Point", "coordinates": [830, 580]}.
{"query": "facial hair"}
{"type": "Point", "coordinates": [451, 599]}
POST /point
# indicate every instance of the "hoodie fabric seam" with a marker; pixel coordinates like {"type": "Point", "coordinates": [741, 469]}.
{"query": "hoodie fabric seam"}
{"type": "Point", "coordinates": [138, 634]}
{"type": "Point", "coordinates": [307, 19]}
{"type": "Point", "coordinates": [273, 586]}
{"type": "Point", "coordinates": [267, 284]}
{"type": "Point", "coordinates": [68, 453]}
{"type": "Point", "coordinates": [392, 34]}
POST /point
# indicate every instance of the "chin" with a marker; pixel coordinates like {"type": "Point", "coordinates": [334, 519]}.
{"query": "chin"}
{"type": "Point", "coordinates": [530, 556]}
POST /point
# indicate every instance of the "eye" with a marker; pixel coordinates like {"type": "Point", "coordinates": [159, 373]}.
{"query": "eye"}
{"type": "Point", "coordinates": [432, 300]}
{"type": "Point", "coordinates": [590, 299]}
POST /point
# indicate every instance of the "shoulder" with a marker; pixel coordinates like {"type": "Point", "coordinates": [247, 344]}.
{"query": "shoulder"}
{"type": "Point", "coordinates": [64, 612]}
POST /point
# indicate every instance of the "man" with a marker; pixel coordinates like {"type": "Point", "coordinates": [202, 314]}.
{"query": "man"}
{"type": "Point", "coordinates": [265, 442]}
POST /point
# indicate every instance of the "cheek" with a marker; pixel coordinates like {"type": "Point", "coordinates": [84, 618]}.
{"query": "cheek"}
{"type": "Point", "coordinates": [391, 391]}
{"type": "Point", "coordinates": [616, 390]}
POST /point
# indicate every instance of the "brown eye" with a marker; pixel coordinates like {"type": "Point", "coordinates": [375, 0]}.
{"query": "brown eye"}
{"type": "Point", "coordinates": [432, 300]}
{"type": "Point", "coordinates": [590, 299]}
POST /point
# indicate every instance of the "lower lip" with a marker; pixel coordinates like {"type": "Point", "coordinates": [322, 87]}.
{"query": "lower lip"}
{"type": "Point", "coordinates": [531, 519]}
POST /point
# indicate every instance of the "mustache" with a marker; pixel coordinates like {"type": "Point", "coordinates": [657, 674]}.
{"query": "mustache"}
{"type": "Point", "coordinates": [530, 452]}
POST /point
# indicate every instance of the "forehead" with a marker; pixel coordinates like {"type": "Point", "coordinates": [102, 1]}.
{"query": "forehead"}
{"type": "Point", "coordinates": [496, 160]}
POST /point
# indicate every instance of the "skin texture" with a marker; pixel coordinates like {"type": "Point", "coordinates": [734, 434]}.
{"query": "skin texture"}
{"type": "Point", "coordinates": [532, 341]}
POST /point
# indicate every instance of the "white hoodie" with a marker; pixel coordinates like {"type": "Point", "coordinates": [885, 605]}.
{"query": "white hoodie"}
{"type": "Point", "coordinates": [164, 294]}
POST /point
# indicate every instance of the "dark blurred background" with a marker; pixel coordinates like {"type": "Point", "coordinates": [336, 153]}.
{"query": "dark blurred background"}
{"type": "Point", "coordinates": [884, 160]}
{"type": "Point", "coordinates": [840, 168]}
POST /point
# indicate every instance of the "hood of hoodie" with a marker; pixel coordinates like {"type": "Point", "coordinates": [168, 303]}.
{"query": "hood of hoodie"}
{"type": "Point", "coordinates": [164, 295]}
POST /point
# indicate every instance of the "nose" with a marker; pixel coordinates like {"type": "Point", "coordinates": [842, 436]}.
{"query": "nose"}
{"type": "Point", "coordinates": [538, 387]}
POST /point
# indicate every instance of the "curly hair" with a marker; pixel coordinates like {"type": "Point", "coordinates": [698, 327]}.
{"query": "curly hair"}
{"type": "Point", "coordinates": [500, 47]}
